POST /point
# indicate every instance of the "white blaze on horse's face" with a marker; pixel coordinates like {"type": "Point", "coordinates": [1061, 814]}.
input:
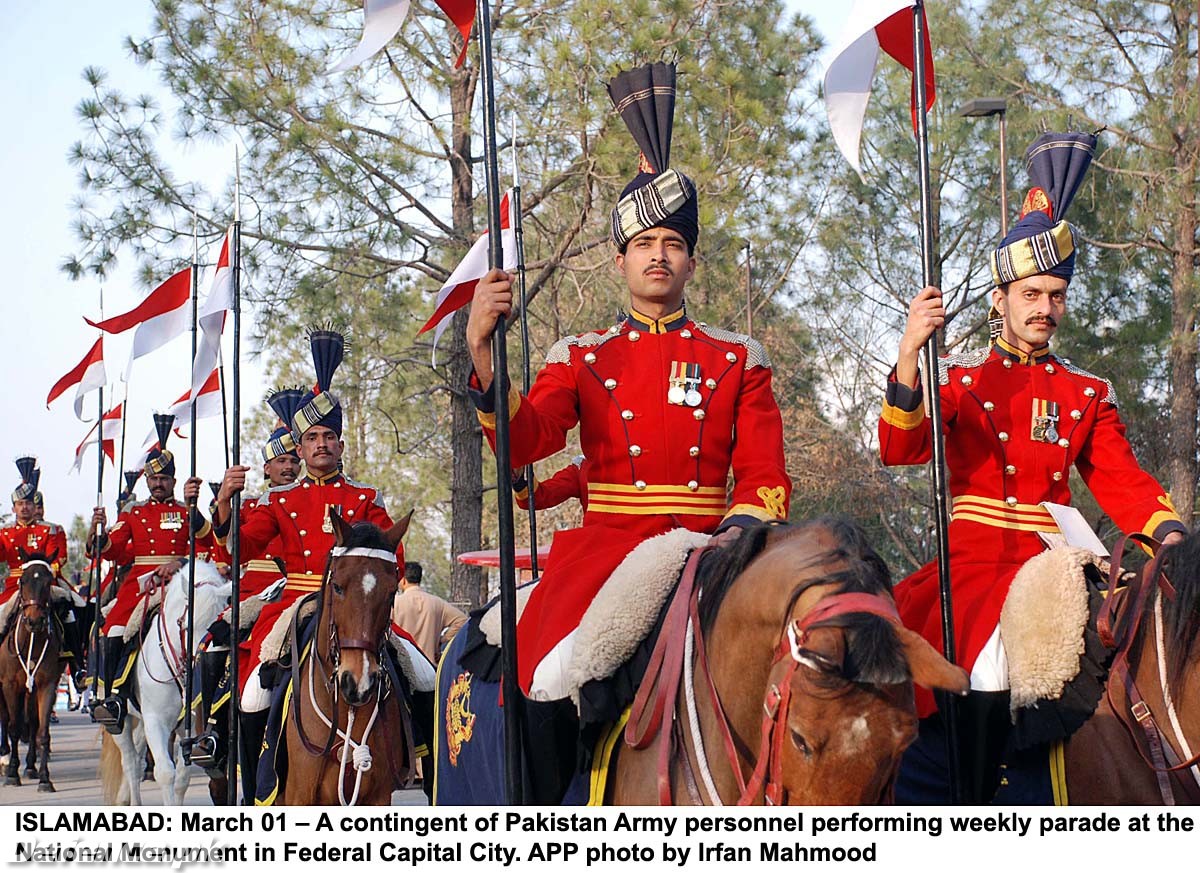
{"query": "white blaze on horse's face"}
{"type": "Point", "coordinates": [368, 582]}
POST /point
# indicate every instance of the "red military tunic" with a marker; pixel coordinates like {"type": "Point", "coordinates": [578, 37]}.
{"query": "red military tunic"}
{"type": "Point", "coordinates": [652, 465]}
{"type": "Point", "coordinates": [569, 482]}
{"type": "Point", "coordinates": [1014, 425]}
{"type": "Point", "coordinates": [39, 537]}
{"type": "Point", "coordinates": [292, 522]}
{"type": "Point", "coordinates": [257, 574]}
{"type": "Point", "coordinates": [147, 535]}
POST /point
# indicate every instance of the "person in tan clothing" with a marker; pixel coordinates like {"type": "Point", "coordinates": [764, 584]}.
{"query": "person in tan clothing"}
{"type": "Point", "coordinates": [429, 619]}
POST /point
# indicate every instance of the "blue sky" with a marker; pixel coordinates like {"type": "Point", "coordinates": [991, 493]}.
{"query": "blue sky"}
{"type": "Point", "coordinates": [43, 49]}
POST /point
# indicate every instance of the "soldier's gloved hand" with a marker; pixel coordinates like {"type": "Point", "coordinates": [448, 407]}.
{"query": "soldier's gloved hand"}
{"type": "Point", "coordinates": [725, 538]}
{"type": "Point", "coordinates": [166, 572]}
{"type": "Point", "coordinates": [191, 489]}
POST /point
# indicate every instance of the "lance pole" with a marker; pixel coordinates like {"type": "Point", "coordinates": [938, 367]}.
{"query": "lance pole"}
{"type": "Point", "coordinates": [124, 418]}
{"type": "Point", "coordinates": [941, 502]}
{"type": "Point", "coordinates": [513, 733]}
{"type": "Point", "coordinates": [519, 237]}
{"type": "Point", "coordinates": [235, 536]}
{"type": "Point", "coordinates": [191, 609]}
{"type": "Point", "coordinates": [98, 536]}
{"type": "Point", "coordinates": [224, 405]}
{"type": "Point", "coordinates": [749, 293]}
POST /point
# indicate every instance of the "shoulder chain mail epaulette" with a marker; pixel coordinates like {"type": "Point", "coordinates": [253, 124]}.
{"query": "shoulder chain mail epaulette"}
{"type": "Point", "coordinates": [560, 352]}
{"type": "Point", "coordinates": [973, 358]}
{"type": "Point", "coordinates": [1110, 395]}
{"type": "Point", "coordinates": [278, 489]}
{"type": "Point", "coordinates": [756, 355]}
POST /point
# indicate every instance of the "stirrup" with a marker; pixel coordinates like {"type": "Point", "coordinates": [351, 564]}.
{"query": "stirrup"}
{"type": "Point", "coordinates": [203, 751]}
{"type": "Point", "coordinates": [110, 713]}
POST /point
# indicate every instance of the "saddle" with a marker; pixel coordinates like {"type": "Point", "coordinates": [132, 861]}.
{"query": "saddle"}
{"type": "Point", "coordinates": [622, 615]}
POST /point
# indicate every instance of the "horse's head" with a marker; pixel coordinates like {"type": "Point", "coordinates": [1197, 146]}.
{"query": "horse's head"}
{"type": "Point", "coordinates": [356, 604]}
{"type": "Point", "coordinates": [210, 595]}
{"type": "Point", "coordinates": [811, 619]}
{"type": "Point", "coordinates": [37, 577]}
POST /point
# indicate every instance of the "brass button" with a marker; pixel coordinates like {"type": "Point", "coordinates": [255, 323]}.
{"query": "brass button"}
{"type": "Point", "coordinates": [362, 497]}
{"type": "Point", "coordinates": [1011, 501]}
{"type": "Point", "coordinates": [349, 512]}
{"type": "Point", "coordinates": [303, 533]}
{"type": "Point", "coordinates": [1008, 363]}
{"type": "Point", "coordinates": [968, 381]}
{"type": "Point", "coordinates": [307, 552]}
{"type": "Point", "coordinates": [337, 484]}
{"type": "Point", "coordinates": [639, 485]}
{"type": "Point", "coordinates": [634, 451]}
{"type": "Point", "coordinates": [1076, 414]}
{"type": "Point", "coordinates": [1065, 443]}
{"type": "Point", "coordinates": [685, 333]}
{"type": "Point", "coordinates": [589, 358]}
{"type": "Point", "coordinates": [1089, 391]}
{"type": "Point", "coordinates": [693, 485]}
{"type": "Point", "coordinates": [698, 415]}
{"type": "Point", "coordinates": [1002, 436]}
{"type": "Point", "coordinates": [731, 357]}
{"type": "Point", "coordinates": [1050, 368]}
{"type": "Point", "coordinates": [293, 515]}
{"type": "Point", "coordinates": [627, 414]}
{"type": "Point", "coordinates": [634, 336]}
{"type": "Point", "coordinates": [1057, 476]}
{"type": "Point", "coordinates": [610, 384]}
{"type": "Point", "coordinates": [1010, 470]}
{"type": "Point", "coordinates": [694, 451]}
{"type": "Point", "coordinates": [989, 406]}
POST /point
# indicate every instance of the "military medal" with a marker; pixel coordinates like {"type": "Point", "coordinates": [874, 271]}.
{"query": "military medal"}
{"type": "Point", "coordinates": [170, 521]}
{"type": "Point", "coordinates": [685, 384]}
{"type": "Point", "coordinates": [31, 542]}
{"type": "Point", "coordinates": [1045, 421]}
{"type": "Point", "coordinates": [327, 524]}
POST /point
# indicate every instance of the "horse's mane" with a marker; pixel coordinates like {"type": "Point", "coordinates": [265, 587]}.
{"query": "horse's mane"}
{"type": "Point", "coordinates": [1181, 614]}
{"type": "Point", "coordinates": [873, 653]}
{"type": "Point", "coordinates": [365, 535]}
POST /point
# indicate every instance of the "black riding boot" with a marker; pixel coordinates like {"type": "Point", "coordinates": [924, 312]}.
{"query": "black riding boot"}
{"type": "Point", "coordinates": [110, 711]}
{"type": "Point", "coordinates": [252, 728]}
{"type": "Point", "coordinates": [208, 749]}
{"type": "Point", "coordinates": [73, 639]}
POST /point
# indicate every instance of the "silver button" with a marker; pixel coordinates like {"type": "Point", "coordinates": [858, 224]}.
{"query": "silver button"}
{"type": "Point", "coordinates": [303, 533]}
{"type": "Point", "coordinates": [694, 451]}
{"type": "Point", "coordinates": [1010, 470]}
{"type": "Point", "coordinates": [1065, 443]}
{"type": "Point", "coordinates": [989, 406]}
{"type": "Point", "coordinates": [710, 384]}
{"type": "Point", "coordinates": [306, 484]}
{"type": "Point", "coordinates": [1003, 436]}
{"type": "Point", "coordinates": [693, 485]}
{"type": "Point", "coordinates": [1076, 414]}
{"type": "Point", "coordinates": [349, 512]}
{"type": "Point", "coordinates": [610, 384]}
{"type": "Point", "coordinates": [283, 499]}
{"type": "Point", "coordinates": [627, 414]}
{"type": "Point", "coordinates": [968, 381]}
{"type": "Point", "coordinates": [1089, 391]}
{"type": "Point", "coordinates": [1050, 368]}
{"type": "Point", "coordinates": [1057, 476]}
{"type": "Point", "coordinates": [1011, 501]}
{"type": "Point", "coordinates": [698, 415]}
{"type": "Point", "coordinates": [731, 357]}
{"type": "Point", "coordinates": [337, 484]}
{"type": "Point", "coordinates": [589, 358]}
{"type": "Point", "coordinates": [685, 333]}
{"type": "Point", "coordinates": [639, 485]}
{"type": "Point", "coordinates": [1008, 363]}
{"type": "Point", "coordinates": [307, 552]}
{"type": "Point", "coordinates": [293, 515]}
{"type": "Point", "coordinates": [634, 451]}
{"type": "Point", "coordinates": [362, 497]}
{"type": "Point", "coordinates": [634, 336]}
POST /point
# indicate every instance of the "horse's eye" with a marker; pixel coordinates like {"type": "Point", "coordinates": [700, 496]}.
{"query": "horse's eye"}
{"type": "Point", "coordinates": [338, 589]}
{"type": "Point", "coordinates": [800, 743]}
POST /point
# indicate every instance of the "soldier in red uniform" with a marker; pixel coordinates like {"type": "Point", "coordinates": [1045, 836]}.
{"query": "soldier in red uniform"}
{"type": "Point", "coordinates": [666, 406]}
{"type": "Point", "coordinates": [152, 536]}
{"type": "Point", "coordinates": [1017, 418]}
{"type": "Point", "coordinates": [292, 522]}
{"type": "Point", "coordinates": [281, 466]}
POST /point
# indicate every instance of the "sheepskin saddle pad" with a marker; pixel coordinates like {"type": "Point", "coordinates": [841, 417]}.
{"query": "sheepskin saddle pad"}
{"type": "Point", "coordinates": [624, 611]}
{"type": "Point", "coordinates": [1056, 663]}
{"type": "Point", "coordinates": [145, 610]}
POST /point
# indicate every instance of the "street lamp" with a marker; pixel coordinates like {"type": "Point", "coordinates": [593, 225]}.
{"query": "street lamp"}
{"type": "Point", "coordinates": [984, 107]}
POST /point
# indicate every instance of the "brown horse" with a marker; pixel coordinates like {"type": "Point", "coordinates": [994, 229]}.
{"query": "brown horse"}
{"type": "Point", "coordinates": [799, 675]}
{"type": "Point", "coordinates": [1142, 744]}
{"type": "Point", "coordinates": [349, 737]}
{"type": "Point", "coordinates": [29, 672]}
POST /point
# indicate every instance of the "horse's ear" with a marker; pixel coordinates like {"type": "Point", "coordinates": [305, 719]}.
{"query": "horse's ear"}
{"type": "Point", "coordinates": [22, 554]}
{"type": "Point", "coordinates": [929, 668]}
{"type": "Point", "coordinates": [341, 530]}
{"type": "Point", "coordinates": [829, 643]}
{"type": "Point", "coordinates": [396, 532]}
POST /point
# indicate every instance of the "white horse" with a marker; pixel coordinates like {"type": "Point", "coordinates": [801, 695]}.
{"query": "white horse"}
{"type": "Point", "coordinates": [161, 677]}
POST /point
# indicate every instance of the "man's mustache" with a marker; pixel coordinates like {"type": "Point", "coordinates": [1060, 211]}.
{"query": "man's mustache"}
{"type": "Point", "coordinates": [662, 267]}
{"type": "Point", "coordinates": [1042, 319]}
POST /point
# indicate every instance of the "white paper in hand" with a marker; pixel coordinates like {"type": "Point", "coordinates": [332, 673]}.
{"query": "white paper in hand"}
{"type": "Point", "coordinates": [1075, 530]}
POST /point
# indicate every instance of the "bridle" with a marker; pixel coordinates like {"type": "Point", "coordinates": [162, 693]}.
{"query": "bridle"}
{"type": "Point", "coordinates": [672, 656]}
{"type": "Point", "coordinates": [340, 744]}
{"type": "Point", "coordinates": [33, 627]}
{"type": "Point", "coordinates": [1118, 628]}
